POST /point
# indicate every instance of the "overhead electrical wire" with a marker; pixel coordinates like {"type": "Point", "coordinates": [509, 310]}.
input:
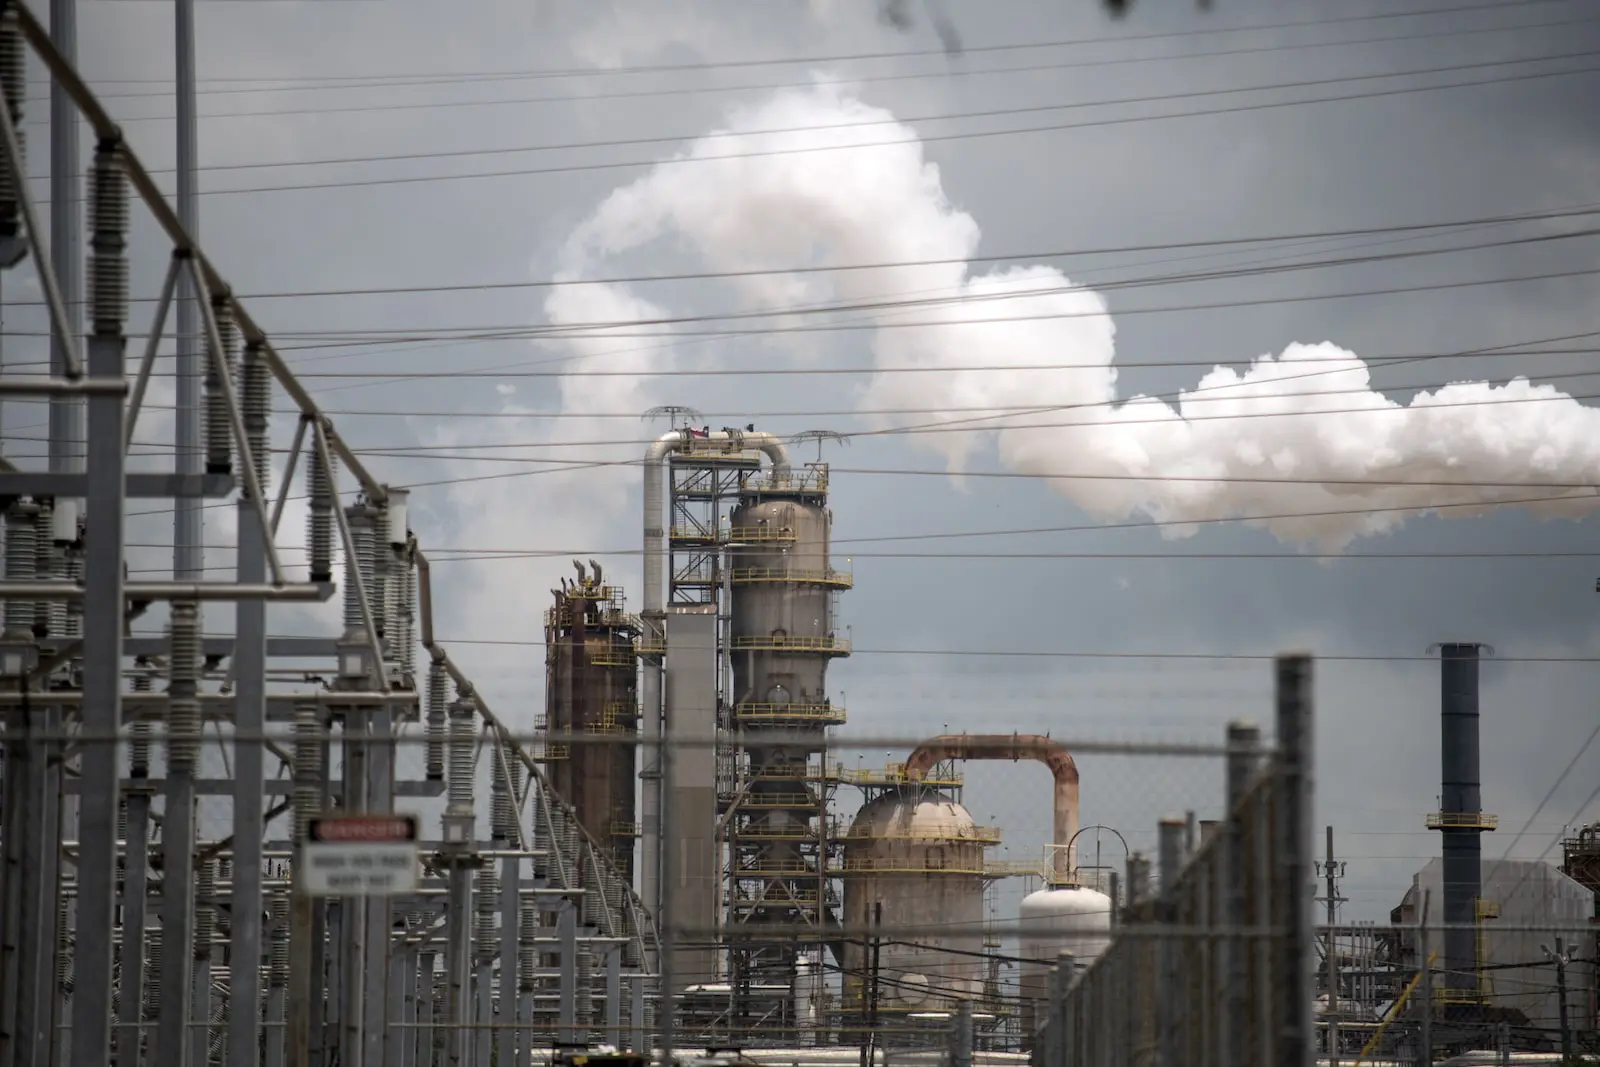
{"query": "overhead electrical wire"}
{"type": "Point", "coordinates": [964, 74]}
{"type": "Point", "coordinates": [1225, 245]}
{"type": "Point", "coordinates": [921, 139]}
{"type": "Point", "coordinates": [637, 328]}
{"type": "Point", "coordinates": [856, 57]}
{"type": "Point", "coordinates": [893, 120]}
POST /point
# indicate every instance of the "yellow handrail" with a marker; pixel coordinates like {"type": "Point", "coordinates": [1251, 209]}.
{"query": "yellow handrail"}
{"type": "Point", "coordinates": [796, 575]}
{"type": "Point", "coordinates": [829, 644]}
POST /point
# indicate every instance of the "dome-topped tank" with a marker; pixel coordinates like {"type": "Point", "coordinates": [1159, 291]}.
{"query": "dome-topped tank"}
{"type": "Point", "coordinates": [919, 855]}
{"type": "Point", "coordinates": [1071, 919]}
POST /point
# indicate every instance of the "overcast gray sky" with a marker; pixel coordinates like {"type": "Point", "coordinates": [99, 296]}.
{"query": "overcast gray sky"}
{"type": "Point", "coordinates": [296, 201]}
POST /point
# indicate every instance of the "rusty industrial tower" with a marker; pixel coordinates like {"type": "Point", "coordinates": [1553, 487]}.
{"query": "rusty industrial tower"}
{"type": "Point", "coordinates": [591, 689]}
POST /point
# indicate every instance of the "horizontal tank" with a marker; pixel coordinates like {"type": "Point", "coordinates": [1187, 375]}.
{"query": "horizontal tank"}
{"type": "Point", "coordinates": [920, 856]}
{"type": "Point", "coordinates": [1071, 919]}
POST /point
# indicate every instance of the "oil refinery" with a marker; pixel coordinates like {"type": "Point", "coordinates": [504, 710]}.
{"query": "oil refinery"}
{"type": "Point", "coordinates": [327, 842]}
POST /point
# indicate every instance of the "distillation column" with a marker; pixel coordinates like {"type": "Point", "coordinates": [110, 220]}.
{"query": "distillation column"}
{"type": "Point", "coordinates": [782, 639]}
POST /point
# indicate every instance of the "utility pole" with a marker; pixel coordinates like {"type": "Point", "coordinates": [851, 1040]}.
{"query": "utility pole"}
{"type": "Point", "coordinates": [1562, 955]}
{"type": "Point", "coordinates": [1332, 871]}
{"type": "Point", "coordinates": [870, 1048]}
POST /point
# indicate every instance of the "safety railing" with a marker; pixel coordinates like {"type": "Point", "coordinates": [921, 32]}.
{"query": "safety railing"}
{"type": "Point", "coordinates": [836, 579]}
{"type": "Point", "coordinates": [796, 712]}
{"type": "Point", "coordinates": [989, 835]}
{"type": "Point", "coordinates": [894, 774]}
{"type": "Point", "coordinates": [830, 645]}
{"type": "Point", "coordinates": [968, 865]}
{"type": "Point", "coordinates": [1462, 820]}
{"type": "Point", "coordinates": [724, 534]}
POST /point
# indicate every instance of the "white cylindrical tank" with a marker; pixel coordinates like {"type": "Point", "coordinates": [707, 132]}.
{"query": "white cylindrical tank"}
{"type": "Point", "coordinates": [919, 855]}
{"type": "Point", "coordinates": [1071, 919]}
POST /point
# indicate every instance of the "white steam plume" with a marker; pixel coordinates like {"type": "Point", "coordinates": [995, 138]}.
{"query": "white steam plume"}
{"type": "Point", "coordinates": [1307, 417]}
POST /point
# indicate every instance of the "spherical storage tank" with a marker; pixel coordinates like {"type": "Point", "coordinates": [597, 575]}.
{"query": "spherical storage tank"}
{"type": "Point", "coordinates": [919, 855]}
{"type": "Point", "coordinates": [1068, 919]}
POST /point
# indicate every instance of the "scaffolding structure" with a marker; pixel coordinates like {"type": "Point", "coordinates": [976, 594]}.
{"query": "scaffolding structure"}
{"type": "Point", "coordinates": [141, 927]}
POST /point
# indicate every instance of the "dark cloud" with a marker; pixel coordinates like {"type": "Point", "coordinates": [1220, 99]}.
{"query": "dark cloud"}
{"type": "Point", "coordinates": [1499, 147]}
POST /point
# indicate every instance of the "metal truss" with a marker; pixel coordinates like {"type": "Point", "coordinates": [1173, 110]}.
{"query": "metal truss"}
{"type": "Point", "coordinates": [136, 931]}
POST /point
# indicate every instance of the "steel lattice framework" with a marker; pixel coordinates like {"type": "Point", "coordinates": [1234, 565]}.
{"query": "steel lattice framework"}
{"type": "Point", "coordinates": [124, 914]}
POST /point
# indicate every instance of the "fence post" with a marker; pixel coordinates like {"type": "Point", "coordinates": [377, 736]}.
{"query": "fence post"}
{"type": "Point", "coordinates": [1169, 856]}
{"type": "Point", "coordinates": [1293, 891]}
{"type": "Point", "coordinates": [1244, 741]}
{"type": "Point", "coordinates": [961, 1043]}
{"type": "Point", "coordinates": [1060, 1051]}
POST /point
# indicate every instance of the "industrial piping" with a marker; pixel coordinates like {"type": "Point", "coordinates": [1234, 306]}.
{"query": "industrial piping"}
{"type": "Point", "coordinates": [653, 617]}
{"type": "Point", "coordinates": [1052, 754]}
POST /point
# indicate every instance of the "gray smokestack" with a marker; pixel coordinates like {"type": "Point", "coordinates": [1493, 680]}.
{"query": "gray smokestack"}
{"type": "Point", "coordinates": [1460, 818]}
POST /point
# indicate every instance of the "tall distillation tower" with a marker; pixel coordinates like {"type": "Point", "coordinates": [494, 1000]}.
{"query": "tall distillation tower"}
{"type": "Point", "coordinates": [738, 628]}
{"type": "Point", "coordinates": [782, 638]}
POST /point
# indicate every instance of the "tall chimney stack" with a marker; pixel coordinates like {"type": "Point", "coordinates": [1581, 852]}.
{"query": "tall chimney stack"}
{"type": "Point", "coordinates": [1460, 818]}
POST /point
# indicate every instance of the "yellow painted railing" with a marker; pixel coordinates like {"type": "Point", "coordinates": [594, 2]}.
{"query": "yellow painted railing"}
{"type": "Point", "coordinates": [988, 835]}
{"type": "Point", "coordinates": [1462, 820]}
{"type": "Point", "coordinates": [777, 800]}
{"type": "Point", "coordinates": [789, 712]}
{"type": "Point", "coordinates": [747, 534]}
{"type": "Point", "coordinates": [895, 774]}
{"type": "Point", "coordinates": [881, 865]}
{"type": "Point", "coordinates": [837, 646]}
{"type": "Point", "coordinates": [794, 575]}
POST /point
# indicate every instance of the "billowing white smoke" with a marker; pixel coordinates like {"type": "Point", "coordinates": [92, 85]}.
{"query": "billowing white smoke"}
{"type": "Point", "coordinates": [1294, 435]}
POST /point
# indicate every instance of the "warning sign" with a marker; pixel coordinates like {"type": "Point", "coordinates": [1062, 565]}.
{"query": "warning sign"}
{"type": "Point", "coordinates": [360, 856]}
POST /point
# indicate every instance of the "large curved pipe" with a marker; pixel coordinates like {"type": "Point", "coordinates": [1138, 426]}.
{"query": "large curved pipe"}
{"type": "Point", "coordinates": [653, 616]}
{"type": "Point", "coordinates": [1052, 754]}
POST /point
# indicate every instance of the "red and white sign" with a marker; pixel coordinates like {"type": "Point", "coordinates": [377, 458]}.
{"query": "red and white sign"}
{"type": "Point", "coordinates": [360, 855]}
{"type": "Point", "coordinates": [371, 828]}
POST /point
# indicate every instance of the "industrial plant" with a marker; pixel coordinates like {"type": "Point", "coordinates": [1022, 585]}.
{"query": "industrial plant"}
{"type": "Point", "coordinates": [225, 845]}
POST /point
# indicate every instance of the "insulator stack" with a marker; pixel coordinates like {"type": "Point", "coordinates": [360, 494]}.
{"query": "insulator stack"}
{"type": "Point", "coordinates": [462, 728]}
{"type": "Point", "coordinates": [49, 616]}
{"type": "Point", "coordinates": [139, 739]}
{"type": "Point", "coordinates": [307, 767]}
{"type": "Point", "coordinates": [527, 949]}
{"type": "Point", "coordinates": [219, 426]}
{"type": "Point", "coordinates": [183, 689]}
{"type": "Point", "coordinates": [74, 561]}
{"type": "Point", "coordinates": [205, 909]}
{"type": "Point", "coordinates": [502, 813]}
{"type": "Point", "coordinates": [152, 974]}
{"type": "Point", "coordinates": [219, 1032]}
{"type": "Point", "coordinates": [255, 380]}
{"type": "Point", "coordinates": [64, 939]}
{"type": "Point", "coordinates": [278, 947]}
{"type": "Point", "coordinates": [375, 569]}
{"type": "Point", "coordinates": [585, 983]}
{"type": "Point", "coordinates": [13, 80]}
{"type": "Point", "coordinates": [122, 823]}
{"type": "Point", "coordinates": [402, 628]}
{"type": "Point", "coordinates": [21, 563]}
{"type": "Point", "coordinates": [438, 680]}
{"type": "Point", "coordinates": [320, 522]}
{"type": "Point", "coordinates": [359, 567]}
{"type": "Point", "coordinates": [592, 903]}
{"type": "Point", "coordinates": [108, 243]}
{"type": "Point", "coordinates": [488, 902]}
